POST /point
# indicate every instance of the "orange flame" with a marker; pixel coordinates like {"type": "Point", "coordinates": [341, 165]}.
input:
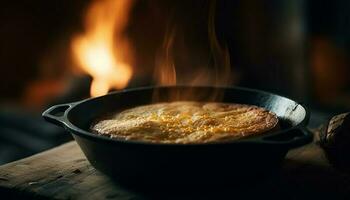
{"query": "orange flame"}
{"type": "Point", "coordinates": [218, 73]}
{"type": "Point", "coordinates": [165, 72]}
{"type": "Point", "coordinates": [103, 50]}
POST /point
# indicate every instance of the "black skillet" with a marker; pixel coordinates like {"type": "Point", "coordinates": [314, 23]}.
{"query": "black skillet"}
{"type": "Point", "coordinates": [140, 162]}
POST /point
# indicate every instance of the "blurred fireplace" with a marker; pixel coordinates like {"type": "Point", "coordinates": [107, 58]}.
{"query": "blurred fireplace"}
{"type": "Point", "coordinates": [274, 46]}
{"type": "Point", "coordinates": [266, 44]}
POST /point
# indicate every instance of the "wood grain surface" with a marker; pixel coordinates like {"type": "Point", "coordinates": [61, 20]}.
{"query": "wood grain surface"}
{"type": "Point", "coordinates": [64, 173]}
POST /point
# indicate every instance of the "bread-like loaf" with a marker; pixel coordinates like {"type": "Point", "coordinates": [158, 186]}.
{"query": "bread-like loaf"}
{"type": "Point", "coordinates": [187, 122]}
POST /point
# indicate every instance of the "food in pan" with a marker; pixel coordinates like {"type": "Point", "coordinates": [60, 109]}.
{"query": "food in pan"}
{"type": "Point", "coordinates": [187, 122]}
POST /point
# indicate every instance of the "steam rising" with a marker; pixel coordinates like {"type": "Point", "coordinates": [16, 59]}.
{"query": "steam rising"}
{"type": "Point", "coordinates": [216, 75]}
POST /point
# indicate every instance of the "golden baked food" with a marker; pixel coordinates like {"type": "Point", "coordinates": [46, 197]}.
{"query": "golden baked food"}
{"type": "Point", "coordinates": [187, 122]}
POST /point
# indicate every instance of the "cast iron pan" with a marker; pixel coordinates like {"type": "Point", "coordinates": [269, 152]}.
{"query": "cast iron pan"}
{"type": "Point", "coordinates": [145, 163]}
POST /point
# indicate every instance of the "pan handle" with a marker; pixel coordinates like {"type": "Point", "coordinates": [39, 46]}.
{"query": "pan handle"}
{"type": "Point", "coordinates": [290, 139]}
{"type": "Point", "coordinates": [58, 114]}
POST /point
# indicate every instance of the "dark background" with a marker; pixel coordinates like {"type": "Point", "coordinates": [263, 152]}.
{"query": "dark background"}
{"type": "Point", "coordinates": [295, 48]}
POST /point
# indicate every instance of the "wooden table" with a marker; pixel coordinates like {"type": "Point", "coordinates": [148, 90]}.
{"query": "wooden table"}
{"type": "Point", "coordinates": [64, 173]}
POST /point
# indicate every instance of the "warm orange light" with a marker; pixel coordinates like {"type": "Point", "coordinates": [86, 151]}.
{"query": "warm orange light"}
{"type": "Point", "coordinates": [165, 71]}
{"type": "Point", "coordinates": [218, 73]}
{"type": "Point", "coordinates": [102, 49]}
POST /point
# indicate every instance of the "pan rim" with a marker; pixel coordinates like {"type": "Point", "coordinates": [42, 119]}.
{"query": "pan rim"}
{"type": "Point", "coordinates": [92, 136]}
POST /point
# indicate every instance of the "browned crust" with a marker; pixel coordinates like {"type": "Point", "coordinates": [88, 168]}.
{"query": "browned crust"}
{"type": "Point", "coordinates": [187, 122]}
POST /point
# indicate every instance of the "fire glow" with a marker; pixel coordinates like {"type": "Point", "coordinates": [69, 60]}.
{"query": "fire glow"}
{"type": "Point", "coordinates": [102, 50]}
